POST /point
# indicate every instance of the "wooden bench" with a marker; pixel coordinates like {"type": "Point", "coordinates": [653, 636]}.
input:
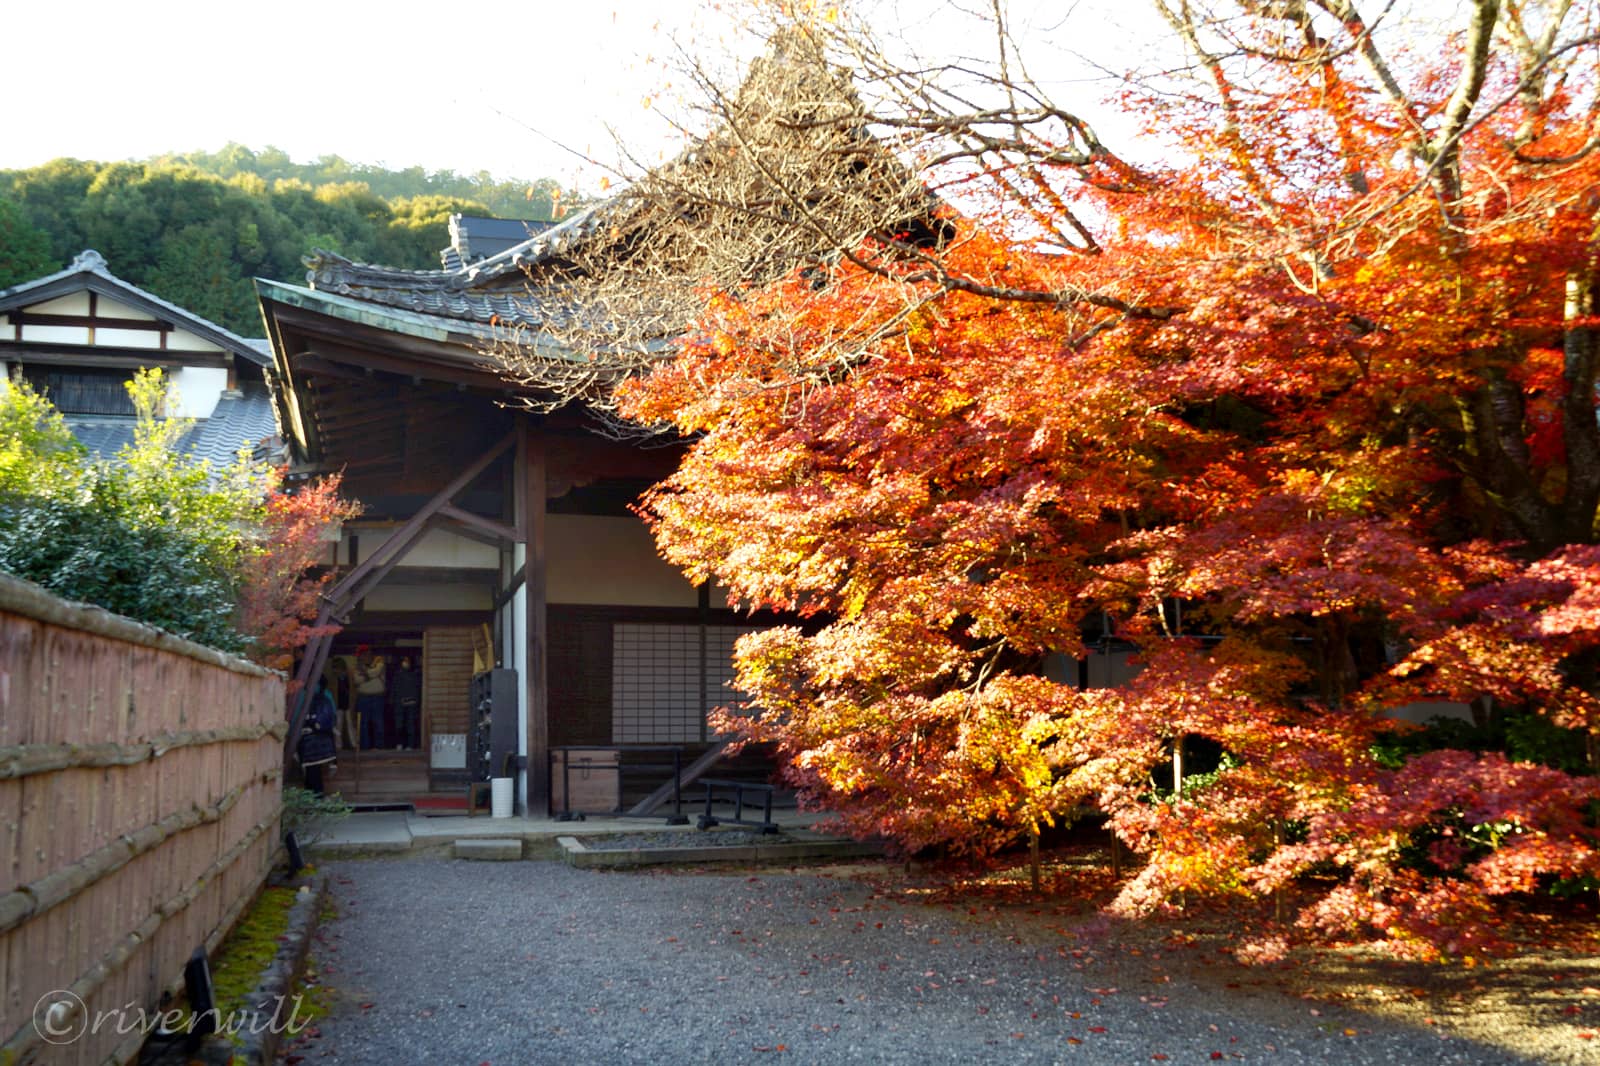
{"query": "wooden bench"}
{"type": "Point", "coordinates": [738, 789]}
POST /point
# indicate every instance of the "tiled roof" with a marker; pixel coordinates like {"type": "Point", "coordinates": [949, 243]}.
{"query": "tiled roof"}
{"type": "Point", "coordinates": [89, 270]}
{"type": "Point", "coordinates": [492, 291]}
{"type": "Point", "coordinates": [477, 237]}
{"type": "Point", "coordinates": [103, 435]}
{"type": "Point", "coordinates": [240, 419]}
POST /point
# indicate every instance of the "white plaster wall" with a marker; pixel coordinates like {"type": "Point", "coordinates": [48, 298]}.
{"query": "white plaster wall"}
{"type": "Point", "coordinates": [128, 338]}
{"type": "Point", "coordinates": [75, 303]}
{"type": "Point", "coordinates": [392, 596]}
{"type": "Point", "coordinates": [721, 597]}
{"type": "Point", "coordinates": [118, 309]}
{"type": "Point", "coordinates": [183, 341]}
{"type": "Point", "coordinates": [438, 547]}
{"type": "Point", "coordinates": [601, 560]}
{"type": "Point", "coordinates": [7, 330]}
{"type": "Point", "coordinates": [198, 389]}
{"type": "Point", "coordinates": [1061, 669]}
{"type": "Point", "coordinates": [56, 334]}
{"type": "Point", "coordinates": [1109, 669]}
{"type": "Point", "coordinates": [1421, 712]}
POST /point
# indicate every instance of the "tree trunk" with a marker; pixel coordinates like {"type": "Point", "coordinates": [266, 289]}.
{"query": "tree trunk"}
{"type": "Point", "coordinates": [1033, 856]}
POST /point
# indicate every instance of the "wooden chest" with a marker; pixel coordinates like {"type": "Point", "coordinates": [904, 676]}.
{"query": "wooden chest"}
{"type": "Point", "coordinates": [585, 781]}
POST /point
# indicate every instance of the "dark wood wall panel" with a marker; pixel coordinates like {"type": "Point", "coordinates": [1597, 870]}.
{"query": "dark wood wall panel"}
{"type": "Point", "coordinates": [580, 677]}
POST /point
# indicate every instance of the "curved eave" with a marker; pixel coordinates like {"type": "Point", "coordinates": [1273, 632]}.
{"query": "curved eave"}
{"type": "Point", "coordinates": [315, 333]}
{"type": "Point", "coordinates": [388, 319]}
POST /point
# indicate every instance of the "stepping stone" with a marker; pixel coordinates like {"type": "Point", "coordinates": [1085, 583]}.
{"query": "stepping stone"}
{"type": "Point", "coordinates": [490, 849]}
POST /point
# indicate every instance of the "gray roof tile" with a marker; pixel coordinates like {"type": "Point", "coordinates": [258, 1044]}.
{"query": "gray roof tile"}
{"type": "Point", "coordinates": [104, 436]}
{"type": "Point", "coordinates": [240, 420]}
{"type": "Point", "coordinates": [91, 264]}
{"type": "Point", "coordinates": [492, 291]}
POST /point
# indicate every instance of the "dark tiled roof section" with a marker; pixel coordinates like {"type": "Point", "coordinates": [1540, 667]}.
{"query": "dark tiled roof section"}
{"type": "Point", "coordinates": [477, 237]}
{"type": "Point", "coordinates": [241, 419]}
{"type": "Point", "coordinates": [104, 437]}
{"type": "Point", "coordinates": [490, 291]}
{"type": "Point", "coordinates": [500, 308]}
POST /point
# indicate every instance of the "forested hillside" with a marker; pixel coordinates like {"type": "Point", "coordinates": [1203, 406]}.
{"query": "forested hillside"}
{"type": "Point", "coordinates": [195, 229]}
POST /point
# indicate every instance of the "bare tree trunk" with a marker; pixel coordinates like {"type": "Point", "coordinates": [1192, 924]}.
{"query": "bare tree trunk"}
{"type": "Point", "coordinates": [1033, 856]}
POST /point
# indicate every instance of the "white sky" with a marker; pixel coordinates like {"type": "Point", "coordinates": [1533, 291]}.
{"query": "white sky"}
{"type": "Point", "coordinates": [440, 85]}
{"type": "Point", "coordinates": [467, 86]}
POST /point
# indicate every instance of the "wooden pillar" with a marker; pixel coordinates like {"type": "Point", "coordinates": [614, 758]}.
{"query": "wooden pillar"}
{"type": "Point", "coordinates": [531, 466]}
{"type": "Point", "coordinates": [704, 593]}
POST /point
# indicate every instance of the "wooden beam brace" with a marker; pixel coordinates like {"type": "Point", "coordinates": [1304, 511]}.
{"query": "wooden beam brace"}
{"type": "Point", "coordinates": [510, 591]}
{"type": "Point", "coordinates": [474, 534]}
{"type": "Point", "coordinates": [690, 774]}
{"type": "Point", "coordinates": [311, 666]}
{"type": "Point", "coordinates": [406, 536]}
{"type": "Point", "coordinates": [495, 529]}
{"type": "Point", "coordinates": [358, 592]}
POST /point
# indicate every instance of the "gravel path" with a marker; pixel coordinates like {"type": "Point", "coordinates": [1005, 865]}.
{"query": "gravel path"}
{"type": "Point", "coordinates": [535, 962]}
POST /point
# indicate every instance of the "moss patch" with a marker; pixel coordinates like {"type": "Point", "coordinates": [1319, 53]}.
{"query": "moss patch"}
{"type": "Point", "coordinates": [247, 952]}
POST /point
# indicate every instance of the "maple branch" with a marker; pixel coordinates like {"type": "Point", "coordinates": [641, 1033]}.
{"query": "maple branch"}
{"type": "Point", "coordinates": [1531, 55]}
{"type": "Point", "coordinates": [1442, 151]}
{"type": "Point", "coordinates": [1493, 422]}
{"type": "Point", "coordinates": [940, 276]}
{"type": "Point", "coordinates": [1580, 428]}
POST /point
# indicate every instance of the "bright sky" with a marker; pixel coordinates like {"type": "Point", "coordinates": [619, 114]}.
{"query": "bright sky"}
{"type": "Point", "coordinates": [496, 85]}
{"type": "Point", "coordinates": [472, 85]}
{"type": "Point", "coordinates": [442, 85]}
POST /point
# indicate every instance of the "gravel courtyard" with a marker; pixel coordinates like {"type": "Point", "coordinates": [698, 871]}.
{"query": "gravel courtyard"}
{"type": "Point", "coordinates": [535, 962]}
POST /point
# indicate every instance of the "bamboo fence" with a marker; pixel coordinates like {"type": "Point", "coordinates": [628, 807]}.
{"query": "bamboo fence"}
{"type": "Point", "coordinates": [140, 797]}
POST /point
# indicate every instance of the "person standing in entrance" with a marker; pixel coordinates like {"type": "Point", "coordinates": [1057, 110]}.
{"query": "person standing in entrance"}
{"type": "Point", "coordinates": [369, 698]}
{"type": "Point", "coordinates": [316, 746]}
{"type": "Point", "coordinates": [407, 697]}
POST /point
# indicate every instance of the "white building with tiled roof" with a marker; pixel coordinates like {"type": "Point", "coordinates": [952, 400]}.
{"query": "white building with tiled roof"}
{"type": "Point", "coordinates": [80, 334]}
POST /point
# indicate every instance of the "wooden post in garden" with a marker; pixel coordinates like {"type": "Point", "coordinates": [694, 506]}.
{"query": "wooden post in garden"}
{"type": "Point", "coordinates": [1033, 855]}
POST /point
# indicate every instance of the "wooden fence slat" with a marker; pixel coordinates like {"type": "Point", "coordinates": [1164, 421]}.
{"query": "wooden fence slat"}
{"type": "Point", "coordinates": [140, 785]}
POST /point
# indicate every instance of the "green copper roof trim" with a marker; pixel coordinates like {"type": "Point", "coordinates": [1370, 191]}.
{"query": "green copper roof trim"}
{"type": "Point", "coordinates": [410, 323]}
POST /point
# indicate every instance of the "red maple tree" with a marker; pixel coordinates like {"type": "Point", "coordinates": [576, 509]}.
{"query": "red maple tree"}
{"type": "Point", "coordinates": [283, 575]}
{"type": "Point", "coordinates": [1305, 418]}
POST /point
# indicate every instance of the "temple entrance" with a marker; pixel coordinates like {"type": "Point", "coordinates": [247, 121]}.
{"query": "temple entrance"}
{"type": "Point", "coordinates": [396, 692]}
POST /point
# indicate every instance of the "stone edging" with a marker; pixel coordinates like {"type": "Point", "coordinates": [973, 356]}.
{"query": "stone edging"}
{"type": "Point", "coordinates": [271, 998]}
{"type": "Point", "coordinates": [576, 853]}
